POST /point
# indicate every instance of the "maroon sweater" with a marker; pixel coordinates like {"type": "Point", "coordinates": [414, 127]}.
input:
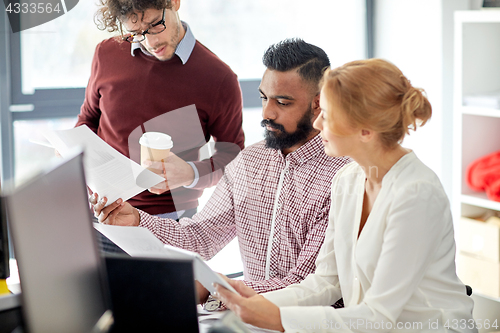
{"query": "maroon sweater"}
{"type": "Point", "coordinates": [128, 95]}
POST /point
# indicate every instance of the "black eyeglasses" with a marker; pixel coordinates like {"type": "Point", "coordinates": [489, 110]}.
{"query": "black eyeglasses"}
{"type": "Point", "coordinates": [154, 29]}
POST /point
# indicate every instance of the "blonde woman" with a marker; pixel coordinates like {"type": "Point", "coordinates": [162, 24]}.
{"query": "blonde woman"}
{"type": "Point", "coordinates": [389, 249]}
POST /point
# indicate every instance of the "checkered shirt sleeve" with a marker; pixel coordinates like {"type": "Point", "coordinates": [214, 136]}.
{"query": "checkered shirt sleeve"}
{"type": "Point", "coordinates": [207, 232]}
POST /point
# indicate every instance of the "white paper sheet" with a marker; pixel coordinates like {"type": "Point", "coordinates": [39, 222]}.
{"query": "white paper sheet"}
{"type": "Point", "coordinates": [140, 242]}
{"type": "Point", "coordinates": [108, 173]}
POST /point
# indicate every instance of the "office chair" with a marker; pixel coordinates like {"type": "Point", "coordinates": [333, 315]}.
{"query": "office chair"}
{"type": "Point", "coordinates": [468, 290]}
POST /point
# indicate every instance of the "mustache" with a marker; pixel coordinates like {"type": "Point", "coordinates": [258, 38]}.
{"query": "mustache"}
{"type": "Point", "coordinates": [272, 124]}
{"type": "Point", "coordinates": [157, 47]}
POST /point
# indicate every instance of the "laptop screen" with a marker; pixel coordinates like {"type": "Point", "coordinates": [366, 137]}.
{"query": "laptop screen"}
{"type": "Point", "coordinates": [152, 294]}
{"type": "Point", "coordinates": [60, 269]}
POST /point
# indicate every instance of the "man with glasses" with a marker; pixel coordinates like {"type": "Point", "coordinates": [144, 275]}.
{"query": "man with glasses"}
{"type": "Point", "coordinates": [156, 77]}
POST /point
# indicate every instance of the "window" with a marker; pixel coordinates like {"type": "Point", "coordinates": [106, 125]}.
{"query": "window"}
{"type": "Point", "coordinates": [240, 31]}
{"type": "Point", "coordinates": [57, 54]}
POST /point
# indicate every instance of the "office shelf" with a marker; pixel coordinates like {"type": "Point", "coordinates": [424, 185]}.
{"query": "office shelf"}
{"type": "Point", "coordinates": [476, 129]}
{"type": "Point", "coordinates": [478, 111]}
{"type": "Point", "coordinates": [480, 200]}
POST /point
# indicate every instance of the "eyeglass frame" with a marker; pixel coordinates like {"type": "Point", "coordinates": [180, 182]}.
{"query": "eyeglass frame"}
{"type": "Point", "coordinates": [145, 32]}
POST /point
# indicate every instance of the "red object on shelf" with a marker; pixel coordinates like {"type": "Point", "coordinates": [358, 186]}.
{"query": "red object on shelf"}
{"type": "Point", "coordinates": [484, 175]}
{"type": "Point", "coordinates": [493, 191]}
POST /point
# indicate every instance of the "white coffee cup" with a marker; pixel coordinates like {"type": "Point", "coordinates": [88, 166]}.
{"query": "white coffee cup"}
{"type": "Point", "coordinates": [155, 146]}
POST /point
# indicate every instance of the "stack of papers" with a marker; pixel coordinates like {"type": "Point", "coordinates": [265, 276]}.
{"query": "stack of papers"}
{"type": "Point", "coordinates": [140, 242]}
{"type": "Point", "coordinates": [108, 172]}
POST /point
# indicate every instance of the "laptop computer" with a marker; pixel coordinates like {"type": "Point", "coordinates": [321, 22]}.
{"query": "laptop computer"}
{"type": "Point", "coordinates": [61, 272]}
{"type": "Point", "coordinates": [67, 286]}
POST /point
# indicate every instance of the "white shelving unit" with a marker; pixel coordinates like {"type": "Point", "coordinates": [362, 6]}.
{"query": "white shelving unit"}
{"type": "Point", "coordinates": [477, 70]}
{"type": "Point", "coordinates": [476, 129]}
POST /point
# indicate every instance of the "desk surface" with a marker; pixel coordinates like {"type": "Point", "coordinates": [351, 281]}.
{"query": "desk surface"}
{"type": "Point", "coordinates": [10, 308]}
{"type": "Point", "coordinates": [10, 316]}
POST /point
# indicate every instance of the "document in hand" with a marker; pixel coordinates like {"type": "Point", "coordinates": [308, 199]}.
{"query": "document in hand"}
{"type": "Point", "coordinates": [140, 242]}
{"type": "Point", "coordinates": [108, 172]}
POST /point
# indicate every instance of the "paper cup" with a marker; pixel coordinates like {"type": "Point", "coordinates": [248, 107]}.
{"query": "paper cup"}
{"type": "Point", "coordinates": [155, 146]}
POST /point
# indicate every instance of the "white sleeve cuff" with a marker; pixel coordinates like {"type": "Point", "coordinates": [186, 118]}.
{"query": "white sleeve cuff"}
{"type": "Point", "coordinates": [282, 297]}
{"type": "Point", "coordinates": [196, 176]}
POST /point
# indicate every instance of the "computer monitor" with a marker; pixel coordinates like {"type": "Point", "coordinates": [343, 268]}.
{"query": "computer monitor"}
{"type": "Point", "coordinates": [152, 294]}
{"type": "Point", "coordinates": [61, 272]}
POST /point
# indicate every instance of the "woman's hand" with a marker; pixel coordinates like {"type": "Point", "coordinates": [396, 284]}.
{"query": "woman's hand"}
{"type": "Point", "coordinates": [251, 307]}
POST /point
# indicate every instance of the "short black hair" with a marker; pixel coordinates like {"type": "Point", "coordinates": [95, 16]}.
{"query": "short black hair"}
{"type": "Point", "coordinates": [293, 53]}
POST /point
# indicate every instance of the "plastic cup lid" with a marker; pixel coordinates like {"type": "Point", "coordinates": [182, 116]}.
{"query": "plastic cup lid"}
{"type": "Point", "coordinates": [156, 140]}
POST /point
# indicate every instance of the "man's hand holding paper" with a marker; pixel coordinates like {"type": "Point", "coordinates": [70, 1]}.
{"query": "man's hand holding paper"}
{"type": "Point", "coordinates": [116, 213]}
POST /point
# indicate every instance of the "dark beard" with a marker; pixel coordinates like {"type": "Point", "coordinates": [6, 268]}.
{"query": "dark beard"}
{"type": "Point", "coordinates": [282, 139]}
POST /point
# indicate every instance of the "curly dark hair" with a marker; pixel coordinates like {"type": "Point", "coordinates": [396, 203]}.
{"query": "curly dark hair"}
{"type": "Point", "coordinates": [113, 12]}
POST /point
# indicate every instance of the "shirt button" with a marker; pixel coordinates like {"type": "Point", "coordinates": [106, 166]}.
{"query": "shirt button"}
{"type": "Point", "coordinates": [278, 206]}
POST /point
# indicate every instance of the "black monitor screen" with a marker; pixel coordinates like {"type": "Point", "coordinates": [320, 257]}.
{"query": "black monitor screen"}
{"type": "Point", "coordinates": [4, 245]}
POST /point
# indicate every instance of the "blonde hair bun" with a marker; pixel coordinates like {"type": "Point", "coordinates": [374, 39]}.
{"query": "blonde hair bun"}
{"type": "Point", "coordinates": [375, 94]}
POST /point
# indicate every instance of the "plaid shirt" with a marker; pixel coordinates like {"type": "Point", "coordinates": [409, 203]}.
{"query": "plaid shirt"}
{"type": "Point", "coordinates": [276, 205]}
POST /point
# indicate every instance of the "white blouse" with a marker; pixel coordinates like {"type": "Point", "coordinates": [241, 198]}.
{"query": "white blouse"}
{"type": "Point", "coordinates": [398, 276]}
